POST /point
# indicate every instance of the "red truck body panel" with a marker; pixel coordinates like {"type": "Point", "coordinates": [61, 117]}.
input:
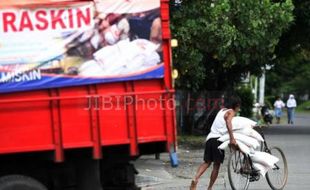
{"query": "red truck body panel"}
{"type": "Point", "coordinates": [92, 116]}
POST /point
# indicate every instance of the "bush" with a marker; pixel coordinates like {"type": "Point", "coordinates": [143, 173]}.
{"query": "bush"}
{"type": "Point", "coordinates": [305, 106]}
{"type": "Point", "coordinates": [269, 100]}
{"type": "Point", "coordinates": [247, 99]}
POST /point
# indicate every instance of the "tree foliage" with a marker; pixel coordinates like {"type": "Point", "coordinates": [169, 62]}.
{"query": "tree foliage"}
{"type": "Point", "coordinates": [290, 75]}
{"type": "Point", "coordinates": [291, 72]}
{"type": "Point", "coordinates": [247, 98]}
{"type": "Point", "coordinates": [221, 41]}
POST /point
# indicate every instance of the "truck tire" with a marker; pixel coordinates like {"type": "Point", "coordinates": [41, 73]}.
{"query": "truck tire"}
{"type": "Point", "coordinates": [20, 182]}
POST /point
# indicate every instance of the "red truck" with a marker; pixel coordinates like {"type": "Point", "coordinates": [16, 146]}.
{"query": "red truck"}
{"type": "Point", "coordinates": [85, 88]}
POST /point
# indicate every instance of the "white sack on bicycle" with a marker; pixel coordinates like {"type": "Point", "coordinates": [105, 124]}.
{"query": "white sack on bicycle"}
{"type": "Point", "coordinates": [224, 138]}
{"type": "Point", "coordinates": [249, 141]}
{"type": "Point", "coordinates": [239, 122]}
{"type": "Point", "coordinates": [250, 132]}
{"type": "Point", "coordinates": [244, 148]}
{"type": "Point", "coordinates": [224, 145]}
{"type": "Point", "coordinates": [264, 158]}
{"type": "Point", "coordinates": [261, 168]}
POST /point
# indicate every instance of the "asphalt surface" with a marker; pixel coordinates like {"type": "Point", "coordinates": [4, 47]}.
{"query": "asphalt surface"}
{"type": "Point", "coordinates": [292, 139]}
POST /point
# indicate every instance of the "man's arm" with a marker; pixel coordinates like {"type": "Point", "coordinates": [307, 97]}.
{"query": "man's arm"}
{"type": "Point", "coordinates": [155, 35]}
{"type": "Point", "coordinates": [228, 118]}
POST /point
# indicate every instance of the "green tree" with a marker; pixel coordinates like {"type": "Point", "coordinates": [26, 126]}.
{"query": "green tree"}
{"type": "Point", "coordinates": [221, 41]}
{"type": "Point", "coordinates": [247, 97]}
{"type": "Point", "coordinates": [290, 75]}
{"type": "Point", "coordinates": [291, 72]}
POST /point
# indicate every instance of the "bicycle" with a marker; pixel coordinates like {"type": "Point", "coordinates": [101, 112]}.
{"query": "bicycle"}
{"type": "Point", "coordinates": [241, 171]}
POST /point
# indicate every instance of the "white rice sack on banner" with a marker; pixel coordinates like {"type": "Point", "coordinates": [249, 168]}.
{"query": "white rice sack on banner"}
{"type": "Point", "coordinates": [239, 122]}
{"type": "Point", "coordinates": [261, 168]}
{"type": "Point", "coordinates": [124, 57]}
{"type": "Point", "coordinates": [224, 145]}
{"type": "Point", "coordinates": [244, 148]}
{"type": "Point", "coordinates": [249, 141]}
{"type": "Point", "coordinates": [264, 158]}
{"type": "Point", "coordinates": [90, 68]}
{"type": "Point", "coordinates": [250, 132]}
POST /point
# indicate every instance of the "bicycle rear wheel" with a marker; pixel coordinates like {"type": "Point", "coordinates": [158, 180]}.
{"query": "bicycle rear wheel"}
{"type": "Point", "coordinates": [277, 176]}
{"type": "Point", "coordinates": [238, 170]}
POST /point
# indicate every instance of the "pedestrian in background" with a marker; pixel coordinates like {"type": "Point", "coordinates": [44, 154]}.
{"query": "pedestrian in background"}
{"type": "Point", "coordinates": [291, 105]}
{"type": "Point", "coordinates": [278, 105]}
{"type": "Point", "coordinates": [221, 124]}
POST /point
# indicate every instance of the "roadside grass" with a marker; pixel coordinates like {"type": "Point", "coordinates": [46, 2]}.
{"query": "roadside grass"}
{"type": "Point", "coordinates": [191, 141]}
{"type": "Point", "coordinates": [304, 107]}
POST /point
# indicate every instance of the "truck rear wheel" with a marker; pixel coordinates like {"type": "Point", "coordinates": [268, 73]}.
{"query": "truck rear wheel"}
{"type": "Point", "coordinates": [118, 176]}
{"type": "Point", "coordinates": [20, 182]}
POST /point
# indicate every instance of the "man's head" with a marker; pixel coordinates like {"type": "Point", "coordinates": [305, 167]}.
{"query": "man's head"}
{"type": "Point", "coordinates": [234, 103]}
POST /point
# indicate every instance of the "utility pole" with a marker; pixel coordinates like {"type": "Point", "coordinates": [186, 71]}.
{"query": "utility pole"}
{"type": "Point", "coordinates": [261, 96]}
{"type": "Point", "coordinates": [255, 89]}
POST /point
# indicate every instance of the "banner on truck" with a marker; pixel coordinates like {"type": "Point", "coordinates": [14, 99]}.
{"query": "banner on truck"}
{"type": "Point", "coordinates": [79, 43]}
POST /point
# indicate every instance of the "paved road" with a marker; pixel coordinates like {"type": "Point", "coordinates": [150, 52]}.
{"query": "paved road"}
{"type": "Point", "coordinates": [294, 140]}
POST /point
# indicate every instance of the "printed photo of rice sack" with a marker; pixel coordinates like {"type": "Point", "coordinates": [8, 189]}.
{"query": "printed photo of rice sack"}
{"type": "Point", "coordinates": [126, 40]}
{"type": "Point", "coordinates": [78, 43]}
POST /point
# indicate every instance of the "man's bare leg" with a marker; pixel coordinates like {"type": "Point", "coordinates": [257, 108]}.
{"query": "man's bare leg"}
{"type": "Point", "coordinates": [201, 169]}
{"type": "Point", "coordinates": [214, 174]}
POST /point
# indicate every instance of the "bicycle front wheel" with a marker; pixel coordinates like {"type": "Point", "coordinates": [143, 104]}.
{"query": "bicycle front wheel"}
{"type": "Point", "coordinates": [238, 170]}
{"type": "Point", "coordinates": [277, 176]}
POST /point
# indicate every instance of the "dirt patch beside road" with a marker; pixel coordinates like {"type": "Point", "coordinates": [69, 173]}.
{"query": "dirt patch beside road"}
{"type": "Point", "coordinates": [190, 154]}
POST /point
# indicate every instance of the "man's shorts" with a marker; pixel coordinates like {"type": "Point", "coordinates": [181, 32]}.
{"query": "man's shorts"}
{"type": "Point", "coordinates": [212, 153]}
